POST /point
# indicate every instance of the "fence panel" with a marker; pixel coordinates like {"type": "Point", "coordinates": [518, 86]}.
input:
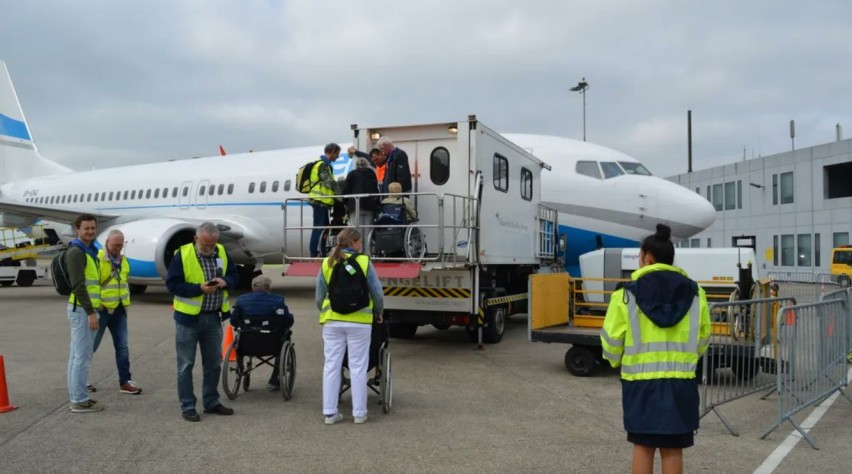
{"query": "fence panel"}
{"type": "Point", "coordinates": [805, 287]}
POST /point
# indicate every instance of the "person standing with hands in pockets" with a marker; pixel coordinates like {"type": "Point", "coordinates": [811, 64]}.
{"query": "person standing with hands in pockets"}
{"type": "Point", "coordinates": [656, 328]}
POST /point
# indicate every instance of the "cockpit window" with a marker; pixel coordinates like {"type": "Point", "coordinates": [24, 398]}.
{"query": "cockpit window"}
{"type": "Point", "coordinates": [611, 169]}
{"type": "Point", "coordinates": [588, 168]}
{"type": "Point", "coordinates": [634, 168]}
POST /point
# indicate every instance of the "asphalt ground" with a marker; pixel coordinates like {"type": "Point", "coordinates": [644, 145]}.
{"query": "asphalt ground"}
{"type": "Point", "coordinates": [509, 408]}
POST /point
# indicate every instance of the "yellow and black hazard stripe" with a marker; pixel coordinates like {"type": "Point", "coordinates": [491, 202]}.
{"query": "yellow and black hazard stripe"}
{"type": "Point", "coordinates": [505, 299]}
{"type": "Point", "coordinates": [428, 292]}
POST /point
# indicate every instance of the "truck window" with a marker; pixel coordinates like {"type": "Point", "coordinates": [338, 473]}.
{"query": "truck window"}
{"type": "Point", "coordinates": [526, 184]}
{"type": "Point", "coordinates": [501, 173]}
{"type": "Point", "coordinates": [439, 165]}
{"type": "Point", "coordinates": [843, 256]}
{"type": "Point", "coordinates": [588, 168]}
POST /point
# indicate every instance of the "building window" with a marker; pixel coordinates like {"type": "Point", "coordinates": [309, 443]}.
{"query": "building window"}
{"type": "Point", "coordinates": [730, 196]}
{"type": "Point", "coordinates": [501, 173]}
{"type": "Point", "coordinates": [717, 196]}
{"type": "Point", "coordinates": [526, 184]}
{"type": "Point", "coordinates": [817, 251]}
{"type": "Point", "coordinates": [837, 180]}
{"type": "Point", "coordinates": [839, 239]}
{"type": "Point", "coordinates": [787, 188]}
{"type": "Point", "coordinates": [439, 166]}
{"type": "Point", "coordinates": [774, 189]}
{"type": "Point", "coordinates": [739, 194]}
{"type": "Point", "coordinates": [695, 243]}
{"type": "Point", "coordinates": [803, 250]}
{"type": "Point", "coordinates": [698, 191]}
{"type": "Point", "coordinates": [788, 251]}
{"type": "Point", "coordinates": [709, 243]}
{"type": "Point", "coordinates": [775, 250]}
{"type": "Point", "coordinates": [709, 193]}
{"type": "Point", "coordinates": [588, 168]}
{"type": "Point", "coordinates": [231, 188]}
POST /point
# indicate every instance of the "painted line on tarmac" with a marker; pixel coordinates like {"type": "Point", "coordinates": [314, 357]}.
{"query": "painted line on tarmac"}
{"type": "Point", "coordinates": [776, 457]}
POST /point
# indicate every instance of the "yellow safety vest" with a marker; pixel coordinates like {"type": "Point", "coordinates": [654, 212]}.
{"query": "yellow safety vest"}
{"type": "Point", "coordinates": [93, 282]}
{"type": "Point", "coordinates": [646, 351]}
{"type": "Point", "coordinates": [114, 290]}
{"type": "Point", "coordinates": [193, 273]}
{"type": "Point", "coordinates": [363, 315]}
{"type": "Point", "coordinates": [319, 191]}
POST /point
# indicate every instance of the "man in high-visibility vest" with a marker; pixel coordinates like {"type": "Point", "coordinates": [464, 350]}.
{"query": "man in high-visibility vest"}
{"type": "Point", "coordinates": [199, 277]}
{"type": "Point", "coordinates": [81, 259]}
{"type": "Point", "coordinates": [115, 298]}
{"type": "Point", "coordinates": [323, 187]}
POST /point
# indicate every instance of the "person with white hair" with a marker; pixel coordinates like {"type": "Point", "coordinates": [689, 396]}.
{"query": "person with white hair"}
{"type": "Point", "coordinates": [263, 303]}
{"type": "Point", "coordinates": [397, 163]}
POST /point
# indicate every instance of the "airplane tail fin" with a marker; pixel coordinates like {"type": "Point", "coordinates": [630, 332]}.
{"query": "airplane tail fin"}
{"type": "Point", "coordinates": [19, 158]}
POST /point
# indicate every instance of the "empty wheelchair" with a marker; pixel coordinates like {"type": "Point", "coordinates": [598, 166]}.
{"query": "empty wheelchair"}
{"type": "Point", "coordinates": [380, 359]}
{"type": "Point", "coordinates": [259, 340]}
{"type": "Point", "coordinates": [394, 236]}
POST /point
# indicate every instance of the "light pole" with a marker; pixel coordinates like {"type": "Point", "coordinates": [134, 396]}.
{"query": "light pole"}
{"type": "Point", "coordinates": [581, 87]}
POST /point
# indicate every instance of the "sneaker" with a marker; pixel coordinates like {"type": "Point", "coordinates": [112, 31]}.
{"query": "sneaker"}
{"type": "Point", "coordinates": [90, 388]}
{"type": "Point", "coordinates": [85, 407]}
{"type": "Point", "coordinates": [220, 410]}
{"type": "Point", "coordinates": [332, 419]}
{"type": "Point", "coordinates": [130, 388]}
{"type": "Point", "coordinates": [360, 419]}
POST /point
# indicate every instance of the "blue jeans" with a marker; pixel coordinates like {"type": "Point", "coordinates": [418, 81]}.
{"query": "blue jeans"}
{"type": "Point", "coordinates": [117, 324]}
{"type": "Point", "coordinates": [80, 354]}
{"type": "Point", "coordinates": [206, 334]}
{"type": "Point", "coordinates": [320, 220]}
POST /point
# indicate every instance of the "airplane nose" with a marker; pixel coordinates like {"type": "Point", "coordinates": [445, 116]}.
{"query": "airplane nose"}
{"type": "Point", "coordinates": [685, 210]}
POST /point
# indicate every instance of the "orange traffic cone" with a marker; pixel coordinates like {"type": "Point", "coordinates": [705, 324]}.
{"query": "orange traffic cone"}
{"type": "Point", "coordinates": [4, 394]}
{"type": "Point", "coordinates": [226, 343]}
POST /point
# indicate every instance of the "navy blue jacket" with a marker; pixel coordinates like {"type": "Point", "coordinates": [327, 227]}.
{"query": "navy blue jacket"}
{"type": "Point", "coordinates": [261, 303]}
{"type": "Point", "coordinates": [661, 406]}
{"type": "Point", "coordinates": [177, 285]}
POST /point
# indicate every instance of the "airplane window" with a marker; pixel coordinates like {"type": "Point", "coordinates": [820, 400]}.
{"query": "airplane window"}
{"type": "Point", "coordinates": [211, 190]}
{"type": "Point", "coordinates": [439, 165]}
{"type": "Point", "coordinates": [263, 186]}
{"type": "Point", "coordinates": [96, 197]}
{"type": "Point", "coordinates": [63, 200]}
{"type": "Point", "coordinates": [501, 173]}
{"type": "Point", "coordinates": [611, 169]}
{"type": "Point", "coordinates": [251, 187]}
{"type": "Point", "coordinates": [287, 185]}
{"type": "Point", "coordinates": [126, 194]}
{"type": "Point", "coordinates": [185, 192]}
{"type": "Point", "coordinates": [76, 197]}
{"type": "Point", "coordinates": [274, 186]}
{"type": "Point", "coordinates": [103, 196]}
{"type": "Point", "coordinates": [588, 168]}
{"type": "Point", "coordinates": [148, 194]}
{"type": "Point", "coordinates": [221, 189]}
{"type": "Point", "coordinates": [634, 168]}
{"type": "Point", "coordinates": [141, 191]}
{"type": "Point", "coordinates": [526, 184]}
{"type": "Point", "coordinates": [174, 192]}
{"type": "Point", "coordinates": [231, 188]}
{"type": "Point", "coordinates": [165, 193]}
{"type": "Point", "coordinates": [89, 197]}
{"type": "Point", "coordinates": [156, 193]}
{"type": "Point", "coordinates": [133, 195]}
{"type": "Point", "coordinates": [201, 190]}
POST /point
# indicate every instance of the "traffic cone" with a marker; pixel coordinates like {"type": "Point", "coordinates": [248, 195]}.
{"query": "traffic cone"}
{"type": "Point", "coordinates": [4, 394]}
{"type": "Point", "coordinates": [226, 343]}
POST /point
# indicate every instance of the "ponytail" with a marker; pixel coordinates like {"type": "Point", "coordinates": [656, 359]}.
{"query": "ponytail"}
{"type": "Point", "coordinates": [344, 239]}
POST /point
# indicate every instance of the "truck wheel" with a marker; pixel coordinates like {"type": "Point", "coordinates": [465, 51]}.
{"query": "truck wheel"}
{"type": "Point", "coordinates": [580, 361]}
{"type": "Point", "coordinates": [403, 330]}
{"type": "Point", "coordinates": [495, 324]}
{"type": "Point", "coordinates": [6, 282]}
{"type": "Point", "coordinates": [137, 289]}
{"type": "Point", "coordinates": [25, 278]}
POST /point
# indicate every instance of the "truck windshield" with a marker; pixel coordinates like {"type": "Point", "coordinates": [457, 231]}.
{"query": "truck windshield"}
{"type": "Point", "coordinates": [843, 257]}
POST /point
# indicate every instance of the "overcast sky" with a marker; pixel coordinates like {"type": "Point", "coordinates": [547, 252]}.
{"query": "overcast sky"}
{"type": "Point", "coordinates": [113, 83]}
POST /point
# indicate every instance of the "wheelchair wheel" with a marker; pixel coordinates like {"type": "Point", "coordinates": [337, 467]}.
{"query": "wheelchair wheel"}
{"type": "Point", "coordinates": [287, 369]}
{"type": "Point", "coordinates": [386, 381]}
{"type": "Point", "coordinates": [232, 372]}
{"type": "Point", "coordinates": [415, 246]}
{"type": "Point", "coordinates": [371, 239]}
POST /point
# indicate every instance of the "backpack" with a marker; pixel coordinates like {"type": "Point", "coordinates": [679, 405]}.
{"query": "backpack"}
{"type": "Point", "coordinates": [303, 177]}
{"type": "Point", "coordinates": [347, 287]}
{"type": "Point", "coordinates": [60, 275]}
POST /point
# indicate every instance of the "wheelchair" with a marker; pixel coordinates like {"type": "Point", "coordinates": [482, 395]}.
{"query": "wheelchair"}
{"type": "Point", "coordinates": [259, 340]}
{"type": "Point", "coordinates": [380, 359]}
{"type": "Point", "coordinates": [395, 237]}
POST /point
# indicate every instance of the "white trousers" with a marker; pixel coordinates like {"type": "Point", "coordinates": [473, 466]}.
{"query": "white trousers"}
{"type": "Point", "coordinates": [337, 336]}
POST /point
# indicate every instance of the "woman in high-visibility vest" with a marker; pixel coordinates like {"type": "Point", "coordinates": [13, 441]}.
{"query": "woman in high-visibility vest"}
{"type": "Point", "coordinates": [347, 315]}
{"type": "Point", "coordinates": [656, 328]}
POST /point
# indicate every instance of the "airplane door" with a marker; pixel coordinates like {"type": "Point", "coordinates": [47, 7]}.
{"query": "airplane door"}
{"type": "Point", "coordinates": [185, 195]}
{"type": "Point", "coordinates": [201, 195]}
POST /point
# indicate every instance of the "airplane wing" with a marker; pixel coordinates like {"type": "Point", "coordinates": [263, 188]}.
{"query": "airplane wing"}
{"type": "Point", "coordinates": [48, 213]}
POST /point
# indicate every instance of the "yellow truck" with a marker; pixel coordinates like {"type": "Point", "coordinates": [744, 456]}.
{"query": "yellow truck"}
{"type": "Point", "coordinates": [841, 265]}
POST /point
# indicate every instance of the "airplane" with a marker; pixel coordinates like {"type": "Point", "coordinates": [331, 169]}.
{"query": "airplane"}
{"type": "Point", "coordinates": [604, 197]}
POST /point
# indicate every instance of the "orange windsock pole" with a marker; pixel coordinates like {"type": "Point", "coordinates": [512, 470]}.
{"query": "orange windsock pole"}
{"type": "Point", "coordinates": [4, 394]}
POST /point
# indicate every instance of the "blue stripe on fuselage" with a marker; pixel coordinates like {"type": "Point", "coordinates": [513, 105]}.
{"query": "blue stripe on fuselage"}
{"type": "Point", "coordinates": [142, 268]}
{"type": "Point", "coordinates": [581, 241]}
{"type": "Point", "coordinates": [13, 128]}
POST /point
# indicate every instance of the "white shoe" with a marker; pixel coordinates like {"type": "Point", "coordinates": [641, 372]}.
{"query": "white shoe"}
{"type": "Point", "coordinates": [332, 419]}
{"type": "Point", "coordinates": [360, 419]}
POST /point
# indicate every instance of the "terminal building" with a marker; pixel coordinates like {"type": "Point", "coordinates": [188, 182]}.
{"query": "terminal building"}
{"type": "Point", "coordinates": [794, 207]}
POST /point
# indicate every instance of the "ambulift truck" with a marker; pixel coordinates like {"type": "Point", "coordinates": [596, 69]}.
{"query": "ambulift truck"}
{"type": "Point", "coordinates": [481, 230]}
{"type": "Point", "coordinates": [570, 310]}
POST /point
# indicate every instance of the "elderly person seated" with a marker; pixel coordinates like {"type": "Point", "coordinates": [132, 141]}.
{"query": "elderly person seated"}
{"type": "Point", "coordinates": [261, 303]}
{"type": "Point", "coordinates": [400, 202]}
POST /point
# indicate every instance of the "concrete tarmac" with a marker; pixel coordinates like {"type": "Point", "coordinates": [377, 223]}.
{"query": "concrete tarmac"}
{"type": "Point", "coordinates": [509, 408]}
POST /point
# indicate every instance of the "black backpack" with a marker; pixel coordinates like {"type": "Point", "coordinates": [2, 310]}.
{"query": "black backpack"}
{"type": "Point", "coordinates": [347, 287]}
{"type": "Point", "coordinates": [60, 275]}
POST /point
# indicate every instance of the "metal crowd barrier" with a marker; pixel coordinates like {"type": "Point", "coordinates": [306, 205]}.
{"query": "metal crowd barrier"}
{"type": "Point", "coordinates": [805, 287]}
{"type": "Point", "coordinates": [741, 341]}
{"type": "Point", "coordinates": [845, 295]}
{"type": "Point", "coordinates": [811, 354]}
